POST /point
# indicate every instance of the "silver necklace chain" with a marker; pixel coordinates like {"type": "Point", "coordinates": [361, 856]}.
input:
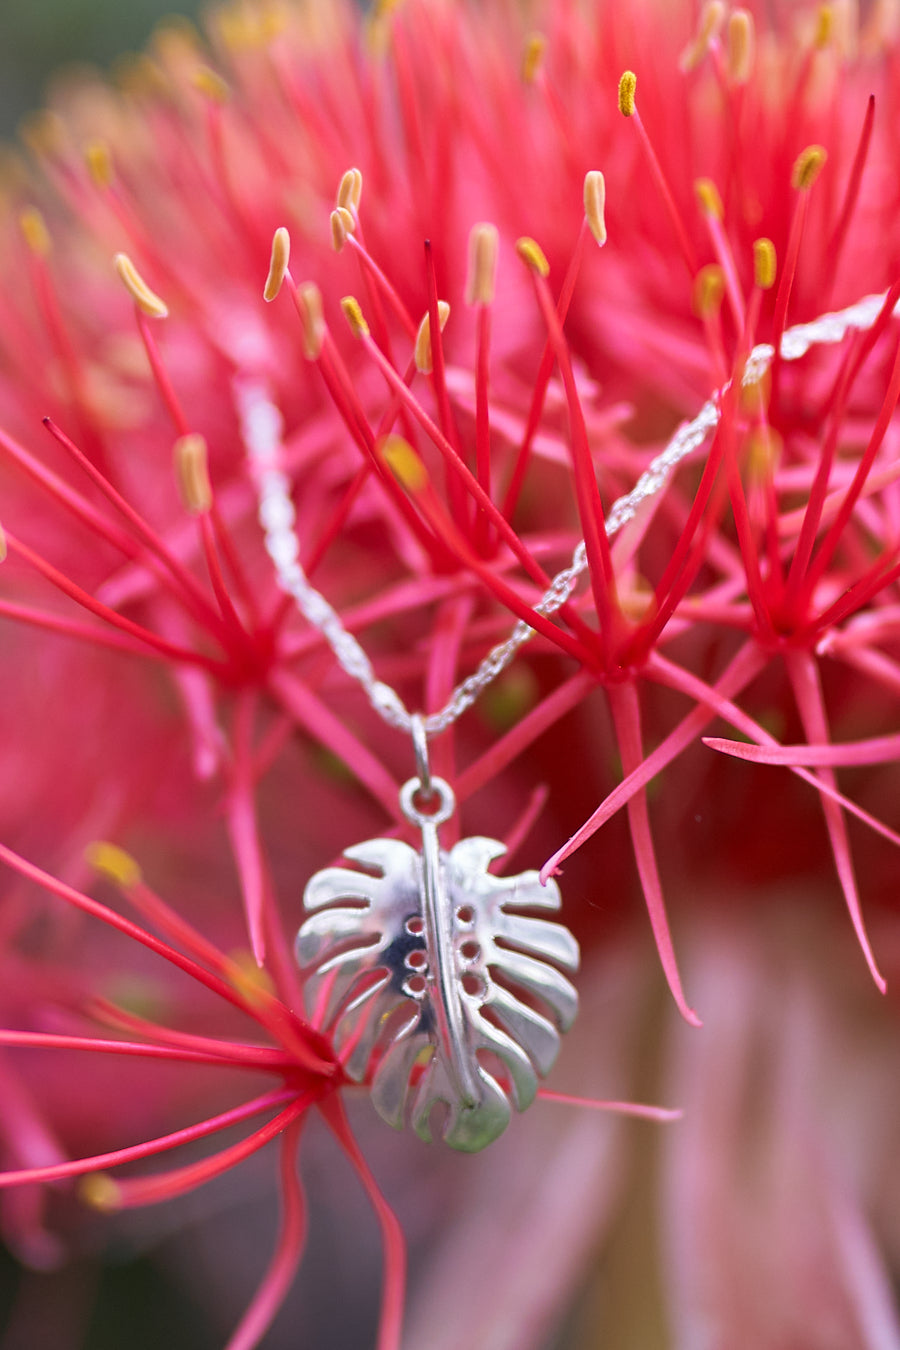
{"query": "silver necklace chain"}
{"type": "Point", "coordinates": [262, 429]}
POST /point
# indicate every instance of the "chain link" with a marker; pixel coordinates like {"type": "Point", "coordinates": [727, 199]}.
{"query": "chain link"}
{"type": "Point", "coordinates": [262, 428]}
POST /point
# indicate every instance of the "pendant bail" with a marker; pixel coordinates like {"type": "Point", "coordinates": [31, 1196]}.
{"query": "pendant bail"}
{"type": "Point", "coordinates": [420, 746]}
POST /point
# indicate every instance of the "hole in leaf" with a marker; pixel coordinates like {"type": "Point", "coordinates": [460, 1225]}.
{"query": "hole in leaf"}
{"type": "Point", "coordinates": [417, 960]}
{"type": "Point", "coordinates": [417, 984]}
{"type": "Point", "coordinates": [415, 924]}
{"type": "Point", "coordinates": [427, 806]}
{"type": "Point", "coordinates": [473, 985]}
{"type": "Point", "coordinates": [465, 914]}
{"type": "Point", "coordinates": [470, 950]}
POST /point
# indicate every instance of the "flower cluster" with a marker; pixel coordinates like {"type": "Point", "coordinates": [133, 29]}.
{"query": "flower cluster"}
{"type": "Point", "coordinates": [498, 289]}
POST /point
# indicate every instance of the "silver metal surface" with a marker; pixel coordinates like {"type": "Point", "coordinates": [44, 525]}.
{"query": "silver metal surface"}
{"type": "Point", "coordinates": [416, 954]}
{"type": "Point", "coordinates": [420, 749]}
{"type": "Point", "coordinates": [404, 951]}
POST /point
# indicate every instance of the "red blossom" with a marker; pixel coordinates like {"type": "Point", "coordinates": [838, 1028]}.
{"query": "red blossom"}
{"type": "Point", "coordinates": [477, 345]}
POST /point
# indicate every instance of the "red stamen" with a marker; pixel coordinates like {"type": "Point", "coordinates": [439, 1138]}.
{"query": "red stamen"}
{"type": "Point", "coordinates": [239, 1053]}
{"type": "Point", "coordinates": [160, 374]}
{"type": "Point", "coordinates": [344, 397]}
{"type": "Point", "coordinates": [291, 1240]}
{"type": "Point", "coordinates": [133, 1192]}
{"type": "Point", "coordinates": [482, 421]}
{"type": "Point", "coordinates": [337, 522]}
{"type": "Point", "coordinates": [803, 672]}
{"type": "Point", "coordinates": [625, 708]}
{"type": "Point", "coordinates": [470, 482]}
{"type": "Point", "coordinates": [242, 826]}
{"type": "Point", "coordinates": [433, 511]}
{"type": "Point", "coordinates": [665, 192]}
{"type": "Point", "coordinates": [134, 630]}
{"type": "Point", "coordinates": [269, 1060]}
{"type": "Point", "coordinates": [319, 722]}
{"type": "Point", "coordinates": [839, 237]}
{"type": "Point", "coordinates": [832, 538]}
{"type": "Point", "coordinates": [373, 273]}
{"type": "Point", "coordinates": [455, 494]}
{"type": "Point", "coordinates": [194, 596]}
{"type": "Point", "coordinates": [590, 506]}
{"type": "Point", "coordinates": [743, 668]}
{"type": "Point", "coordinates": [545, 370]}
{"type": "Point", "coordinates": [875, 750]}
{"type": "Point", "coordinates": [101, 1161]}
{"type": "Point", "coordinates": [54, 623]}
{"type": "Point", "coordinates": [542, 716]}
{"type": "Point", "coordinates": [640, 1112]}
{"type": "Point", "coordinates": [394, 1278]}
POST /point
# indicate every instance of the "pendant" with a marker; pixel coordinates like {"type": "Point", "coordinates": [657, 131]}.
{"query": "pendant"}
{"type": "Point", "coordinates": [434, 986]}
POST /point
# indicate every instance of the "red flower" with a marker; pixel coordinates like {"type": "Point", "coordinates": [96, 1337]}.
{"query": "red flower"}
{"type": "Point", "coordinates": [467, 435]}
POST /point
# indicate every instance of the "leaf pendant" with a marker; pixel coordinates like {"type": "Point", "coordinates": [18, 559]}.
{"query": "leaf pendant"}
{"type": "Point", "coordinates": [433, 985]}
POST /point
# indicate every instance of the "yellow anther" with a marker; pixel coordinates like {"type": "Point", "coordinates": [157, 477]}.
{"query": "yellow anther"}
{"type": "Point", "coordinates": [764, 446]}
{"type": "Point", "coordinates": [140, 76]}
{"type": "Point", "coordinates": [764, 264]}
{"type": "Point", "coordinates": [533, 56]}
{"type": "Point", "coordinates": [192, 472]}
{"type": "Point", "coordinates": [423, 355]}
{"type": "Point", "coordinates": [210, 84]}
{"type": "Point", "coordinates": [176, 41]}
{"type": "Point", "coordinates": [709, 288]}
{"type": "Point", "coordinates": [354, 316]}
{"type": "Point", "coordinates": [43, 132]}
{"type": "Point", "coordinates": [708, 197]}
{"type": "Point", "coordinates": [404, 463]}
{"type": "Point", "coordinates": [278, 264]}
{"type": "Point", "coordinates": [741, 45]}
{"type": "Point", "coordinates": [712, 16]}
{"type": "Point", "coordinates": [484, 241]}
{"type": "Point", "coordinates": [595, 204]}
{"type": "Point", "coordinates": [99, 163]}
{"type": "Point", "coordinates": [533, 256]}
{"type": "Point", "coordinates": [244, 29]}
{"type": "Point", "coordinates": [637, 598]}
{"type": "Point", "coordinates": [807, 167]}
{"type": "Point", "coordinates": [113, 863]}
{"type": "Point", "coordinates": [824, 26]}
{"type": "Point", "coordinates": [248, 978]}
{"type": "Point", "coordinates": [312, 319]}
{"type": "Point", "coordinates": [627, 86]}
{"type": "Point", "coordinates": [137, 288]}
{"type": "Point", "coordinates": [350, 190]}
{"type": "Point", "coordinates": [34, 231]}
{"type": "Point", "coordinates": [754, 397]}
{"type": "Point", "coordinates": [99, 1191]}
{"type": "Point", "coordinates": [342, 224]}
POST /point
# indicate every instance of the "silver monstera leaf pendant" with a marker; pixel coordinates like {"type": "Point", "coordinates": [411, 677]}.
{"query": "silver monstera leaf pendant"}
{"type": "Point", "coordinates": [433, 984]}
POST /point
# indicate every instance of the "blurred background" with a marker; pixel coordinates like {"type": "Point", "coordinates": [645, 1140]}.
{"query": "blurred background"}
{"type": "Point", "coordinates": [37, 37]}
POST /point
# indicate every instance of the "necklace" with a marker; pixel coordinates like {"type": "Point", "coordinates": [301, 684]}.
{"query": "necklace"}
{"type": "Point", "coordinates": [398, 954]}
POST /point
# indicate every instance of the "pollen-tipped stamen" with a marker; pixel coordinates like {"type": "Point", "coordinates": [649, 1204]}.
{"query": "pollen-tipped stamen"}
{"type": "Point", "coordinates": [628, 107]}
{"type": "Point", "coordinates": [146, 299]}
{"type": "Point", "coordinates": [278, 265]}
{"type": "Point", "coordinates": [806, 170]}
{"type": "Point", "coordinates": [713, 214]}
{"type": "Point", "coordinates": [590, 505]}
